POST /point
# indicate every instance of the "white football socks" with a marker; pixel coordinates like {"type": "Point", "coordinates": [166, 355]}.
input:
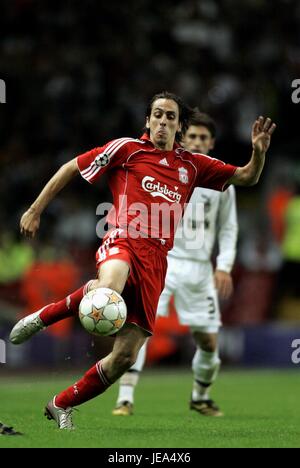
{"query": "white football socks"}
{"type": "Point", "coordinates": [205, 366]}
{"type": "Point", "coordinates": [126, 392]}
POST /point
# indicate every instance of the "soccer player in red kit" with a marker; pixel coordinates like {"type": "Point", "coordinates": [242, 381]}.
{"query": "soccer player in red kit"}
{"type": "Point", "coordinates": [148, 171]}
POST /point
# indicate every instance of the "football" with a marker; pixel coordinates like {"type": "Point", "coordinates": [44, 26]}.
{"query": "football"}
{"type": "Point", "coordinates": [102, 312]}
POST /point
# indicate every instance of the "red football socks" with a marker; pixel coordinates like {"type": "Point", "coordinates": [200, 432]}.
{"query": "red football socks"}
{"type": "Point", "coordinates": [68, 307]}
{"type": "Point", "coordinates": [93, 383]}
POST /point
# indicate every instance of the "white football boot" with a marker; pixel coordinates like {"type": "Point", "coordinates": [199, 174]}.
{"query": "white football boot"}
{"type": "Point", "coordinates": [27, 327]}
{"type": "Point", "coordinates": [62, 416]}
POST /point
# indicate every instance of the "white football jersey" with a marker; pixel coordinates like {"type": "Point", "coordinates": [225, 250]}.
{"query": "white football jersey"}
{"type": "Point", "coordinates": [209, 214]}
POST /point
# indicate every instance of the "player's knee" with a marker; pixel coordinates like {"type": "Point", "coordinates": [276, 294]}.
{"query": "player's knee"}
{"type": "Point", "coordinates": [93, 284]}
{"type": "Point", "coordinates": [106, 283]}
{"type": "Point", "coordinates": [209, 344]}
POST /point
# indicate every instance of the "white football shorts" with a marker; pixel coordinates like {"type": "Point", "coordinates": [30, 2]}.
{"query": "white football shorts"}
{"type": "Point", "coordinates": [195, 296]}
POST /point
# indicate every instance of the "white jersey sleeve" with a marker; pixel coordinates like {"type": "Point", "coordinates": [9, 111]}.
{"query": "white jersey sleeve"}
{"type": "Point", "coordinates": [227, 230]}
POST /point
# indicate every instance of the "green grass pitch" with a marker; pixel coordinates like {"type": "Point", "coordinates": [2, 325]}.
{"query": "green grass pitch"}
{"type": "Point", "coordinates": [261, 410]}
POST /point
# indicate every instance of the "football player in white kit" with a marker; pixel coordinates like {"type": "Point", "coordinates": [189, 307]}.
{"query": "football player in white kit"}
{"type": "Point", "coordinates": [191, 280]}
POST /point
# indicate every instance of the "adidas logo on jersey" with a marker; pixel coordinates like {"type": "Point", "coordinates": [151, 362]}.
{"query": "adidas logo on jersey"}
{"type": "Point", "coordinates": [164, 162]}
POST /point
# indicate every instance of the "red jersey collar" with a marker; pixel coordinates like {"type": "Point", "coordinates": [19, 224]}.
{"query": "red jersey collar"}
{"type": "Point", "coordinates": [146, 137]}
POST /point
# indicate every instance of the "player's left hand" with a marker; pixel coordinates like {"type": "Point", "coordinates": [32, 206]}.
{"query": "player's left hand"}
{"type": "Point", "coordinates": [262, 131]}
{"type": "Point", "coordinates": [223, 283]}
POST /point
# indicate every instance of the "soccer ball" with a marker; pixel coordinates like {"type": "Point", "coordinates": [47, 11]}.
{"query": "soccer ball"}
{"type": "Point", "coordinates": [102, 312]}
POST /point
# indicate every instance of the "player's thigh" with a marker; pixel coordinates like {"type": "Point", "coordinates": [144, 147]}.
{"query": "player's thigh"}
{"type": "Point", "coordinates": [112, 274]}
{"type": "Point", "coordinates": [196, 298]}
{"type": "Point", "coordinates": [206, 341]}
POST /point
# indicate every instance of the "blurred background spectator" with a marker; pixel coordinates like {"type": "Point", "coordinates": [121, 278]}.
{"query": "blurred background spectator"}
{"type": "Point", "coordinates": [78, 75]}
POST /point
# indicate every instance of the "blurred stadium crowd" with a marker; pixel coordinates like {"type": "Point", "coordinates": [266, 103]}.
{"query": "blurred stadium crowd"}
{"type": "Point", "coordinates": [81, 73]}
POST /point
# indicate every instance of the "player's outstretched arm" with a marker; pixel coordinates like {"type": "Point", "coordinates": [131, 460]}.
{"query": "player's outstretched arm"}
{"type": "Point", "coordinates": [30, 220]}
{"type": "Point", "coordinates": [262, 131]}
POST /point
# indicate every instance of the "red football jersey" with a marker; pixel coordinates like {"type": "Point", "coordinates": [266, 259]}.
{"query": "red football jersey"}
{"type": "Point", "coordinates": [150, 187]}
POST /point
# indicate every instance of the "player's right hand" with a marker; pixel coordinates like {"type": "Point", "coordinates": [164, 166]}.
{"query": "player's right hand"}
{"type": "Point", "coordinates": [29, 223]}
{"type": "Point", "coordinates": [224, 285]}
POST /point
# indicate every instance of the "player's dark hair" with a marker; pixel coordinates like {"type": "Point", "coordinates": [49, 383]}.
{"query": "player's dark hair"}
{"type": "Point", "coordinates": [185, 112]}
{"type": "Point", "coordinates": [198, 118]}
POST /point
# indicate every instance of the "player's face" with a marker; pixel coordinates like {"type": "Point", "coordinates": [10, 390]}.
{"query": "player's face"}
{"type": "Point", "coordinates": [163, 123]}
{"type": "Point", "coordinates": [198, 139]}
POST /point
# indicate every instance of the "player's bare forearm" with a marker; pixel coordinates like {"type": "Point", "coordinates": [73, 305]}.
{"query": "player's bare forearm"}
{"type": "Point", "coordinates": [55, 185]}
{"type": "Point", "coordinates": [249, 175]}
{"type": "Point", "coordinates": [262, 131]}
{"type": "Point", "coordinates": [30, 220]}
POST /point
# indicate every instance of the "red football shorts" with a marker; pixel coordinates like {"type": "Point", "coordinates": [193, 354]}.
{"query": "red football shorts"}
{"type": "Point", "coordinates": [147, 260]}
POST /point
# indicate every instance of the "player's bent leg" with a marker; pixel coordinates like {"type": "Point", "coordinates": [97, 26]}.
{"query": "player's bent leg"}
{"type": "Point", "coordinates": [114, 274]}
{"type": "Point", "coordinates": [48, 315]}
{"type": "Point", "coordinates": [205, 365]}
{"type": "Point", "coordinates": [128, 342]}
{"type": "Point", "coordinates": [100, 377]}
{"type": "Point", "coordinates": [128, 382]}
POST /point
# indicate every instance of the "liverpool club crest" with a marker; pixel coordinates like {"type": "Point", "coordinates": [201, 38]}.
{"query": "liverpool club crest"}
{"type": "Point", "coordinates": [183, 175]}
